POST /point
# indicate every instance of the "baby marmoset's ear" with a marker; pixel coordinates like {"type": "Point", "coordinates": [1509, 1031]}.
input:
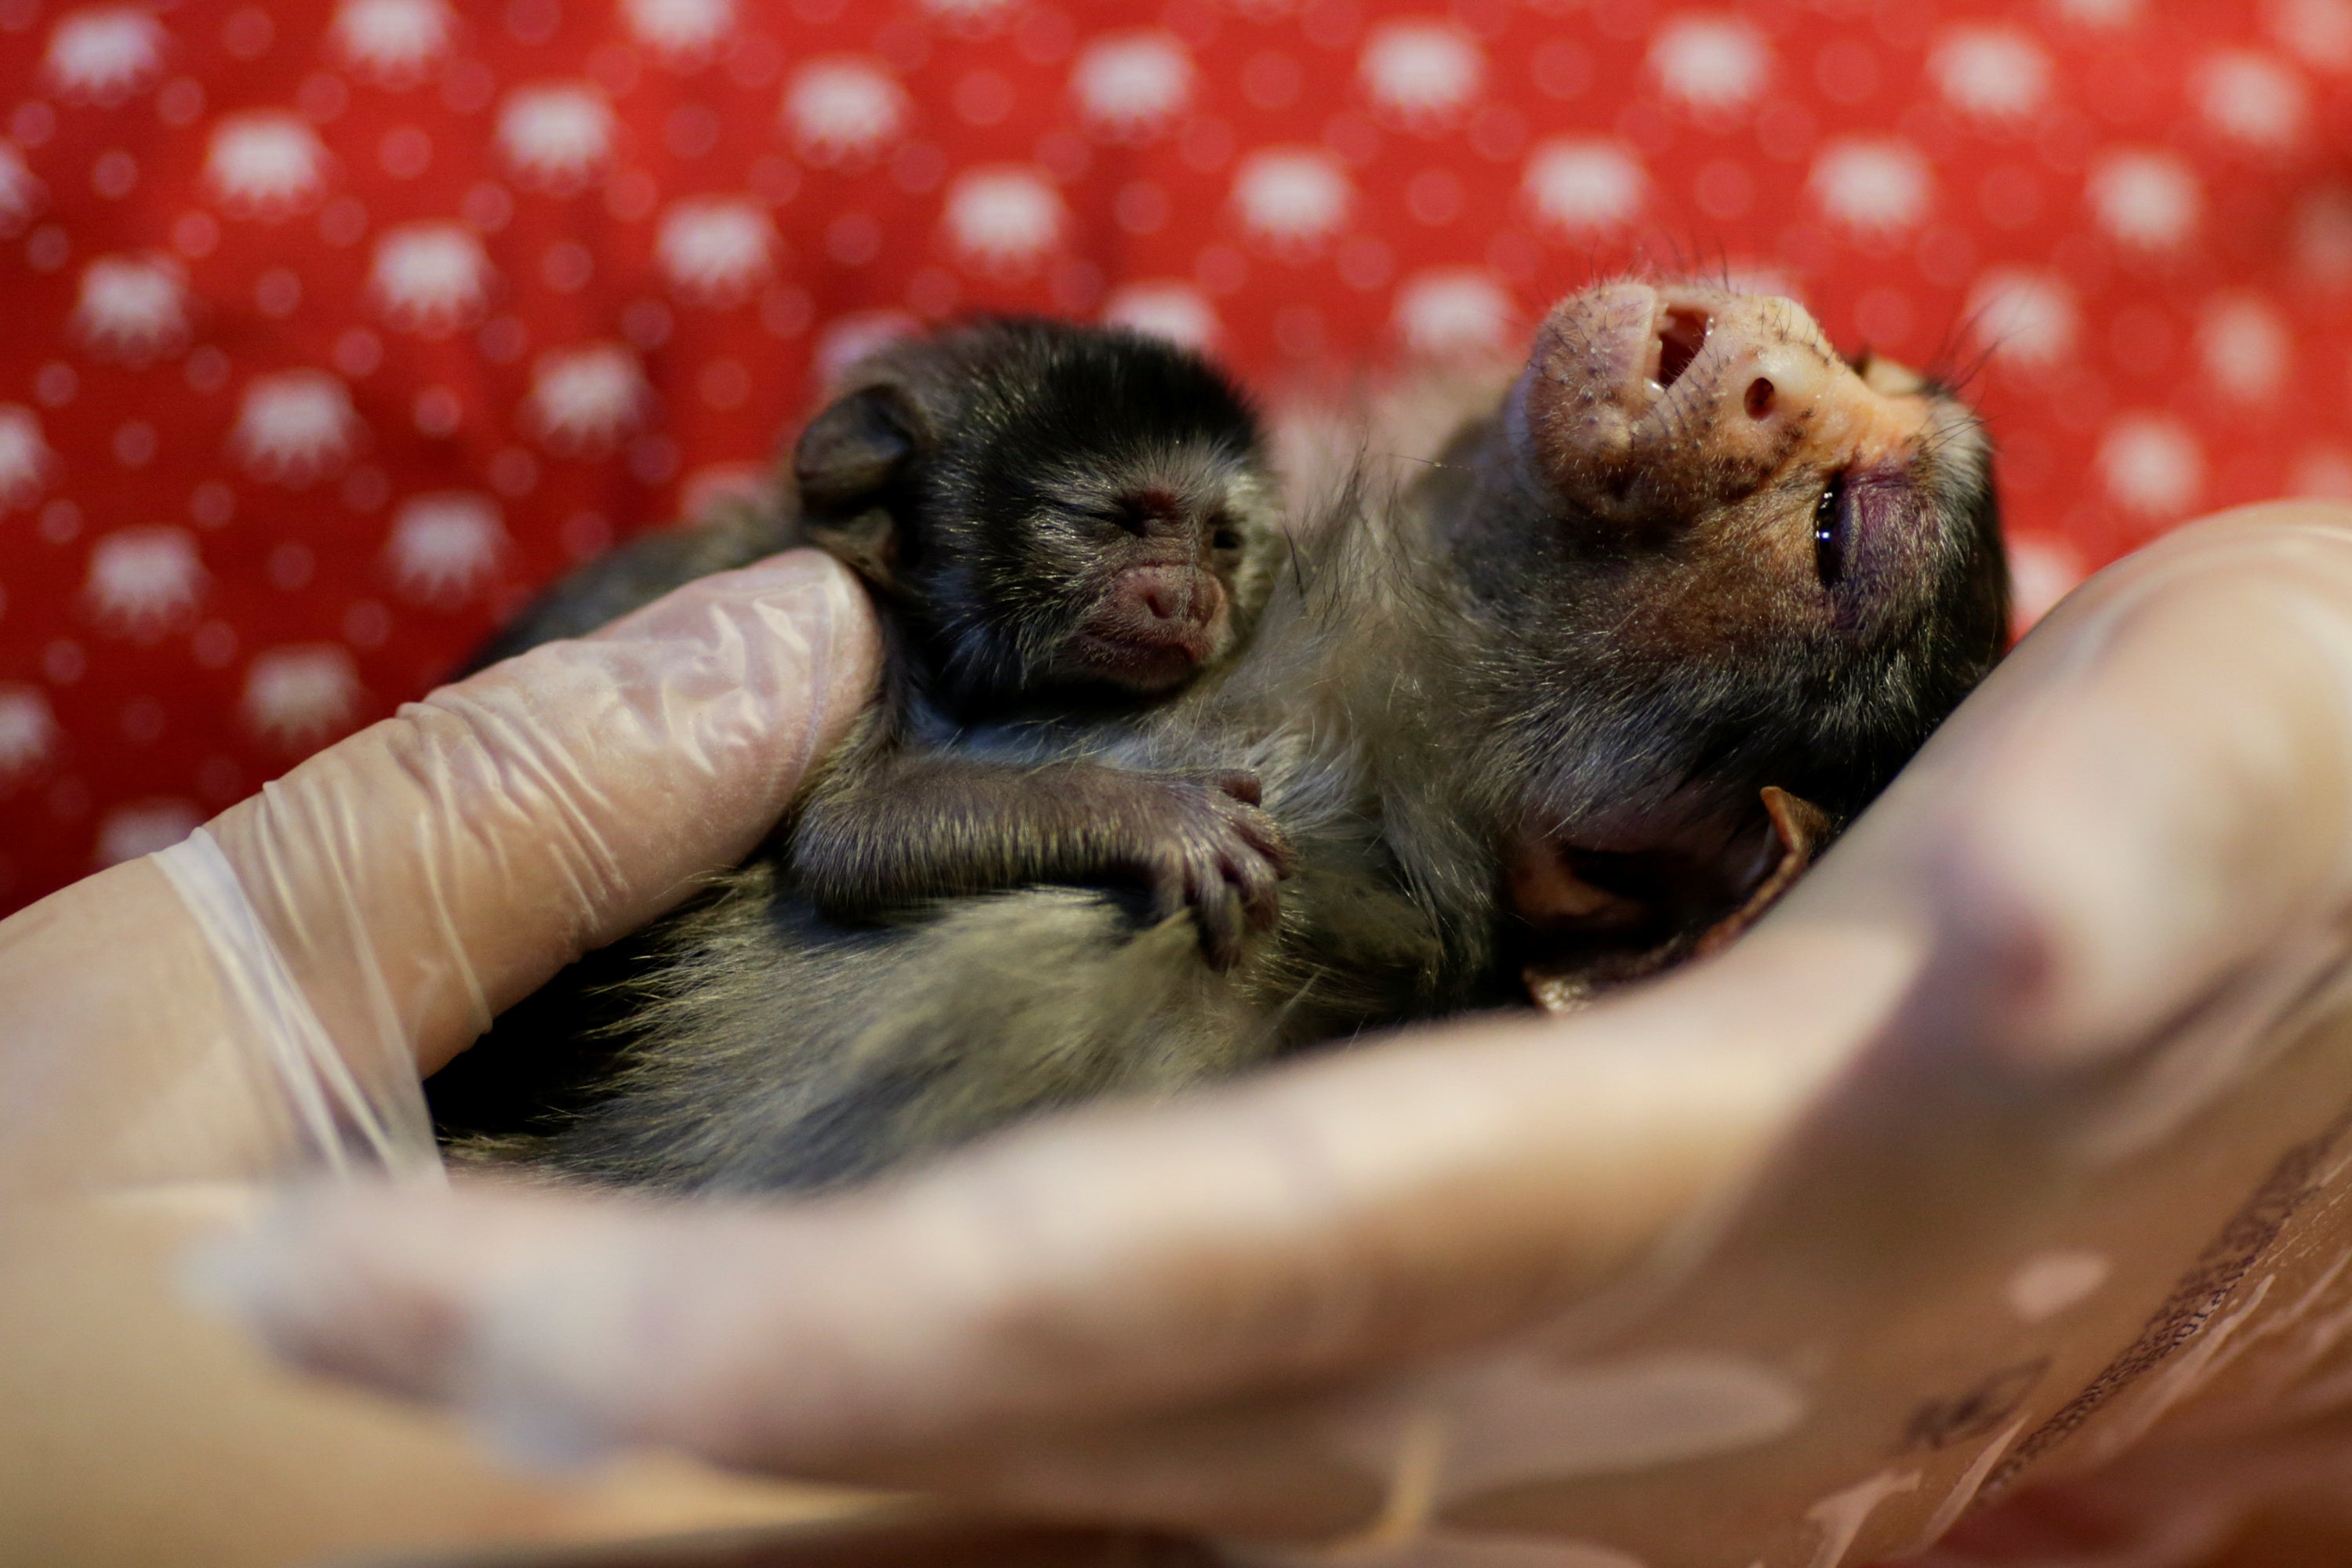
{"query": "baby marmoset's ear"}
{"type": "Point", "coordinates": [846, 467]}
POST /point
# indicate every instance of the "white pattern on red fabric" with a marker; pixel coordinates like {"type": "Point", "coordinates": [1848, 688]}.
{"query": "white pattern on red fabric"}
{"type": "Point", "coordinates": [2042, 571]}
{"type": "Point", "coordinates": [429, 278]}
{"type": "Point", "coordinates": [1454, 310]}
{"type": "Point", "coordinates": [1176, 311]}
{"type": "Point", "coordinates": [2098, 12]}
{"type": "Point", "coordinates": [554, 135]}
{"type": "Point", "coordinates": [444, 548]}
{"type": "Point", "coordinates": [727, 485]}
{"type": "Point", "coordinates": [2151, 464]}
{"type": "Point", "coordinates": [852, 337]}
{"type": "Point", "coordinates": [2245, 347]}
{"type": "Point", "coordinates": [105, 53]}
{"type": "Point", "coordinates": [1424, 73]}
{"type": "Point", "coordinates": [294, 426]}
{"type": "Point", "coordinates": [28, 730]}
{"type": "Point", "coordinates": [2322, 237]}
{"type": "Point", "coordinates": [2145, 199]}
{"type": "Point", "coordinates": [265, 163]}
{"type": "Point", "coordinates": [1713, 63]}
{"type": "Point", "coordinates": [968, 15]}
{"type": "Point", "coordinates": [1997, 75]}
{"type": "Point", "coordinates": [144, 582]}
{"type": "Point", "coordinates": [585, 399]}
{"type": "Point", "coordinates": [1875, 187]}
{"type": "Point", "coordinates": [1129, 87]}
{"type": "Point", "coordinates": [844, 109]}
{"type": "Point", "coordinates": [1293, 198]}
{"type": "Point", "coordinates": [2252, 99]}
{"type": "Point", "coordinates": [2317, 32]}
{"type": "Point", "coordinates": [132, 309]}
{"type": "Point", "coordinates": [680, 29]}
{"type": "Point", "coordinates": [2324, 472]}
{"type": "Point", "coordinates": [143, 826]}
{"type": "Point", "coordinates": [1580, 187]}
{"type": "Point", "coordinates": [715, 250]}
{"type": "Point", "coordinates": [1003, 220]}
{"type": "Point", "coordinates": [297, 696]}
{"type": "Point", "coordinates": [2129, 206]}
{"type": "Point", "coordinates": [26, 463]}
{"type": "Point", "coordinates": [395, 42]}
{"type": "Point", "coordinates": [1756, 278]}
{"type": "Point", "coordinates": [2025, 317]}
{"type": "Point", "coordinates": [20, 189]}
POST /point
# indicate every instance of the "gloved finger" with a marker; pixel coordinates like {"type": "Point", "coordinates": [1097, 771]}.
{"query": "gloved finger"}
{"type": "Point", "coordinates": [429, 871]}
{"type": "Point", "coordinates": [1369, 1208]}
{"type": "Point", "coordinates": [264, 996]}
{"type": "Point", "coordinates": [1372, 1208]}
{"type": "Point", "coordinates": [2168, 798]}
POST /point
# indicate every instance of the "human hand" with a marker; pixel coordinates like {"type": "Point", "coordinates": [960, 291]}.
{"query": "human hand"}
{"type": "Point", "coordinates": [1827, 1178]}
{"type": "Point", "coordinates": [273, 989]}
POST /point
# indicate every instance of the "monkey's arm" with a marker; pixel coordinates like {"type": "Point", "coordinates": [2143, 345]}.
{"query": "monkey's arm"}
{"type": "Point", "coordinates": [898, 827]}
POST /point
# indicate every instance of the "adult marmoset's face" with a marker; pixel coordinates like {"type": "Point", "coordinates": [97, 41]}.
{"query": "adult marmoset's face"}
{"type": "Point", "coordinates": [1775, 559]}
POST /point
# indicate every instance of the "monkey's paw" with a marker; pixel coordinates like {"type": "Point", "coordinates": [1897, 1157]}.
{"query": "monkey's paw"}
{"type": "Point", "coordinates": [1209, 848]}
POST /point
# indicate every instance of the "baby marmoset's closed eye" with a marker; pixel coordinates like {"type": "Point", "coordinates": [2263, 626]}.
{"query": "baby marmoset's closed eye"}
{"type": "Point", "coordinates": [1064, 526]}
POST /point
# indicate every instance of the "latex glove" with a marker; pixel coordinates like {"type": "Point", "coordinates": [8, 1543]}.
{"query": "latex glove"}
{"type": "Point", "coordinates": [269, 993]}
{"type": "Point", "coordinates": [1356, 1296]}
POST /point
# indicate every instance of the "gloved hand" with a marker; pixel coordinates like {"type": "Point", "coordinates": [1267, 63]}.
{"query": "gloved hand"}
{"type": "Point", "coordinates": [1787, 1258]}
{"type": "Point", "coordinates": [268, 993]}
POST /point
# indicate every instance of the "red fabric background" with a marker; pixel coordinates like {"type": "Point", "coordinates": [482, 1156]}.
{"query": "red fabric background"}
{"type": "Point", "coordinates": [335, 327]}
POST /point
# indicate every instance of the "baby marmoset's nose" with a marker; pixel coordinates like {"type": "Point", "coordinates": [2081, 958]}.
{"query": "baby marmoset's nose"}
{"type": "Point", "coordinates": [1169, 593]}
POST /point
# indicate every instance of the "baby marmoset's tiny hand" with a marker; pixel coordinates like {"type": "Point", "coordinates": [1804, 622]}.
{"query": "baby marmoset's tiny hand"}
{"type": "Point", "coordinates": [1203, 844]}
{"type": "Point", "coordinates": [905, 828]}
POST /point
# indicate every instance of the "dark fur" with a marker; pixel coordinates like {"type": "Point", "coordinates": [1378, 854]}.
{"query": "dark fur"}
{"type": "Point", "coordinates": [1014, 493]}
{"type": "Point", "coordinates": [1439, 668]}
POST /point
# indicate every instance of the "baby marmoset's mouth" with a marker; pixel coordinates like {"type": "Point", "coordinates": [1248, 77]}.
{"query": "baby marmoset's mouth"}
{"type": "Point", "coordinates": [1155, 626]}
{"type": "Point", "coordinates": [1143, 656]}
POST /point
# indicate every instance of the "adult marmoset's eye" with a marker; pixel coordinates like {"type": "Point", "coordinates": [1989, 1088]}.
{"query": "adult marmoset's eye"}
{"type": "Point", "coordinates": [1830, 531]}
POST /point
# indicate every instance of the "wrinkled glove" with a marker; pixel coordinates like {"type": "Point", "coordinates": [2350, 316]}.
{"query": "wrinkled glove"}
{"type": "Point", "coordinates": [1790, 1258]}
{"type": "Point", "coordinates": [266, 995]}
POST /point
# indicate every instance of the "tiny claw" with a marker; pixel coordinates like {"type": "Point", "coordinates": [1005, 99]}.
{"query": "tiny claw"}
{"type": "Point", "coordinates": [1250, 884]}
{"type": "Point", "coordinates": [1280, 855]}
{"type": "Point", "coordinates": [1219, 914]}
{"type": "Point", "coordinates": [1263, 834]}
{"type": "Point", "coordinates": [1171, 896]}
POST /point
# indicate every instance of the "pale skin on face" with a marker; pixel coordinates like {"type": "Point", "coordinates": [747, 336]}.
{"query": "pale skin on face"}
{"type": "Point", "coordinates": [1734, 411]}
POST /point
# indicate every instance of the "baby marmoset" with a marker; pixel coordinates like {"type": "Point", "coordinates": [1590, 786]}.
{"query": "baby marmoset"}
{"type": "Point", "coordinates": [1568, 709]}
{"type": "Point", "coordinates": [1061, 526]}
